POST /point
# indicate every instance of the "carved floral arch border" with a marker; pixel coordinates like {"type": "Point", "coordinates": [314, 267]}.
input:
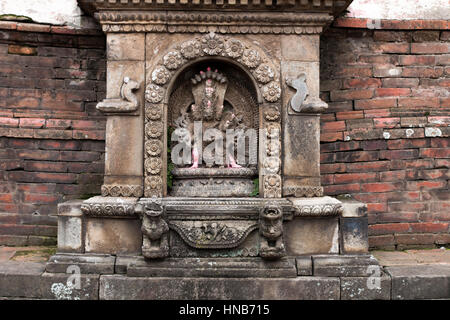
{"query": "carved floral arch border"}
{"type": "Point", "coordinates": [255, 63]}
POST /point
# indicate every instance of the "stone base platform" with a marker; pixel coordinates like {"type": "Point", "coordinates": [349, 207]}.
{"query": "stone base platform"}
{"type": "Point", "coordinates": [318, 277]}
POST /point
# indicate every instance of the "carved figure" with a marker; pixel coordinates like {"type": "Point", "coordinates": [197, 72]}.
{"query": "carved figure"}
{"type": "Point", "coordinates": [209, 88]}
{"type": "Point", "coordinates": [271, 231]}
{"type": "Point", "coordinates": [155, 231]}
{"type": "Point", "coordinates": [128, 101]}
{"type": "Point", "coordinates": [298, 99]}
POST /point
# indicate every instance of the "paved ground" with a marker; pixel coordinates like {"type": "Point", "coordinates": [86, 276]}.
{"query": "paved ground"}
{"type": "Point", "coordinates": [26, 254]}
{"type": "Point", "coordinates": [413, 257]}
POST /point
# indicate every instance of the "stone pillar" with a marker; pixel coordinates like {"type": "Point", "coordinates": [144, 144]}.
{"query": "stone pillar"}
{"type": "Point", "coordinates": [124, 139]}
{"type": "Point", "coordinates": [301, 127]}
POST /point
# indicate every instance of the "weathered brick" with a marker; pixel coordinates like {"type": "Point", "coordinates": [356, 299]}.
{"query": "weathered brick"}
{"type": "Point", "coordinates": [400, 82]}
{"type": "Point", "coordinates": [31, 123]}
{"type": "Point", "coordinates": [416, 60]}
{"type": "Point", "coordinates": [363, 83]}
{"type": "Point", "coordinates": [425, 36]}
{"type": "Point", "coordinates": [343, 95]}
{"type": "Point", "coordinates": [422, 72]}
{"type": "Point", "coordinates": [388, 228]}
{"type": "Point", "coordinates": [354, 177]}
{"type": "Point", "coordinates": [356, 156]}
{"type": "Point", "coordinates": [380, 187]}
{"type": "Point", "coordinates": [430, 48]}
{"type": "Point", "coordinates": [386, 122]}
{"type": "Point", "coordinates": [435, 153]}
{"type": "Point", "coordinates": [378, 103]}
{"type": "Point", "coordinates": [414, 102]}
{"type": "Point", "coordinates": [392, 92]}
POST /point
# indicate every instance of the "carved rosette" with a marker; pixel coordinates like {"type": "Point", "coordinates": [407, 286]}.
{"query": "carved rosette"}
{"type": "Point", "coordinates": [154, 150]}
{"type": "Point", "coordinates": [251, 58]}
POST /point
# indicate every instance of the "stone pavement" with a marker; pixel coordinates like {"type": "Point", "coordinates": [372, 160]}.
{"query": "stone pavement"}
{"type": "Point", "coordinates": [411, 274]}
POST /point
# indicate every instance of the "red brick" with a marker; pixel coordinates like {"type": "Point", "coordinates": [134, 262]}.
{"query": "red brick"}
{"type": "Point", "coordinates": [435, 153]}
{"type": "Point", "coordinates": [393, 175]}
{"type": "Point", "coordinates": [415, 102]}
{"type": "Point", "coordinates": [40, 198]}
{"type": "Point", "coordinates": [59, 145]}
{"type": "Point", "coordinates": [400, 82]}
{"type": "Point", "coordinates": [443, 121]}
{"type": "Point", "coordinates": [331, 136]}
{"type": "Point", "coordinates": [376, 113]}
{"type": "Point", "coordinates": [388, 228]}
{"type": "Point", "coordinates": [392, 92]}
{"type": "Point", "coordinates": [343, 95]}
{"type": "Point", "coordinates": [361, 83]}
{"type": "Point", "coordinates": [353, 72]}
{"type": "Point", "coordinates": [368, 166]}
{"type": "Point", "coordinates": [386, 71]}
{"type": "Point", "coordinates": [6, 198]}
{"type": "Point", "coordinates": [422, 72]}
{"type": "Point", "coordinates": [9, 122]}
{"type": "Point", "coordinates": [421, 185]}
{"type": "Point", "coordinates": [412, 164]}
{"type": "Point", "coordinates": [45, 177]}
{"type": "Point", "coordinates": [399, 154]}
{"type": "Point", "coordinates": [89, 134]}
{"type": "Point", "coordinates": [417, 60]}
{"type": "Point", "coordinates": [429, 48]}
{"type": "Point", "coordinates": [32, 123]}
{"type": "Point", "coordinates": [333, 126]}
{"type": "Point", "coordinates": [391, 36]}
{"type": "Point", "coordinates": [391, 47]}
{"type": "Point", "coordinates": [382, 241]}
{"type": "Point", "coordinates": [356, 156]}
{"type": "Point", "coordinates": [354, 177]}
{"type": "Point", "coordinates": [376, 207]}
{"type": "Point", "coordinates": [379, 187]}
{"type": "Point", "coordinates": [429, 227]}
{"type": "Point", "coordinates": [347, 115]}
{"type": "Point", "coordinates": [379, 103]}
{"type": "Point", "coordinates": [341, 189]}
{"type": "Point", "coordinates": [386, 122]}
{"type": "Point", "coordinates": [45, 166]}
{"type": "Point", "coordinates": [442, 163]}
{"type": "Point", "coordinates": [58, 124]}
{"type": "Point", "coordinates": [332, 167]}
{"type": "Point", "coordinates": [374, 145]}
{"type": "Point", "coordinates": [440, 143]}
{"type": "Point", "coordinates": [33, 27]}
{"type": "Point", "coordinates": [407, 143]}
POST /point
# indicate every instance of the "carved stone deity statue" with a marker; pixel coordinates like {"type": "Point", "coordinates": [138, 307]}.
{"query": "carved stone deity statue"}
{"type": "Point", "coordinates": [209, 108]}
{"type": "Point", "coordinates": [155, 232]}
{"type": "Point", "coordinates": [271, 231]}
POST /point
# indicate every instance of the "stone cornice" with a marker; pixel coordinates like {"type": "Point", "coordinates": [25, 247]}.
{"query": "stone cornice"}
{"type": "Point", "coordinates": [334, 7]}
{"type": "Point", "coordinates": [220, 16]}
{"type": "Point", "coordinates": [204, 22]}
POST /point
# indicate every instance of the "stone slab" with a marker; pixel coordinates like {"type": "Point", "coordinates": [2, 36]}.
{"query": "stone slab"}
{"type": "Point", "coordinates": [353, 208]}
{"type": "Point", "coordinates": [345, 265]}
{"type": "Point", "coordinates": [366, 288]}
{"type": "Point", "coordinates": [119, 287]}
{"type": "Point", "coordinates": [88, 263]}
{"type": "Point", "coordinates": [20, 279]}
{"type": "Point", "coordinates": [354, 235]}
{"type": "Point", "coordinates": [420, 282]}
{"type": "Point", "coordinates": [304, 266]}
{"type": "Point", "coordinates": [57, 286]}
{"type": "Point", "coordinates": [213, 268]}
{"type": "Point", "coordinates": [308, 236]}
{"type": "Point", "coordinates": [122, 262]}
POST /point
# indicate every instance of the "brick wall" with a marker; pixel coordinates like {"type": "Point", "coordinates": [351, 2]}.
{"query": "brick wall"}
{"type": "Point", "coordinates": [51, 136]}
{"type": "Point", "coordinates": [385, 137]}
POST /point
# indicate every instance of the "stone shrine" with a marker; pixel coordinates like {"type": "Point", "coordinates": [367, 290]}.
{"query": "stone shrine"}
{"type": "Point", "coordinates": [247, 67]}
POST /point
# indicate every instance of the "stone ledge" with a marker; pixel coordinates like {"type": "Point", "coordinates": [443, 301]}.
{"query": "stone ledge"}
{"type": "Point", "coordinates": [420, 282]}
{"type": "Point", "coordinates": [46, 28]}
{"type": "Point", "coordinates": [387, 24]}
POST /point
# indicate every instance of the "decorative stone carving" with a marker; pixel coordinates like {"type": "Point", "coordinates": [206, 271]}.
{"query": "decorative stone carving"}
{"type": "Point", "coordinates": [160, 75]}
{"type": "Point", "coordinates": [318, 210]}
{"type": "Point", "coordinates": [212, 44]}
{"type": "Point", "coordinates": [153, 147]}
{"type": "Point", "coordinates": [154, 129]}
{"type": "Point", "coordinates": [155, 231]}
{"type": "Point", "coordinates": [264, 73]}
{"type": "Point", "coordinates": [153, 112]}
{"type": "Point", "coordinates": [191, 49]}
{"type": "Point", "coordinates": [128, 101]}
{"type": "Point", "coordinates": [214, 234]}
{"type": "Point", "coordinates": [272, 91]}
{"type": "Point", "coordinates": [303, 191]}
{"type": "Point", "coordinates": [251, 58]}
{"type": "Point", "coordinates": [115, 190]}
{"type": "Point", "coordinates": [271, 232]}
{"type": "Point", "coordinates": [154, 93]}
{"type": "Point", "coordinates": [272, 114]}
{"type": "Point", "coordinates": [153, 165]}
{"type": "Point", "coordinates": [298, 84]}
{"type": "Point", "coordinates": [107, 209]}
{"type": "Point", "coordinates": [153, 186]}
{"type": "Point", "coordinates": [234, 48]}
{"type": "Point", "coordinates": [272, 186]}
